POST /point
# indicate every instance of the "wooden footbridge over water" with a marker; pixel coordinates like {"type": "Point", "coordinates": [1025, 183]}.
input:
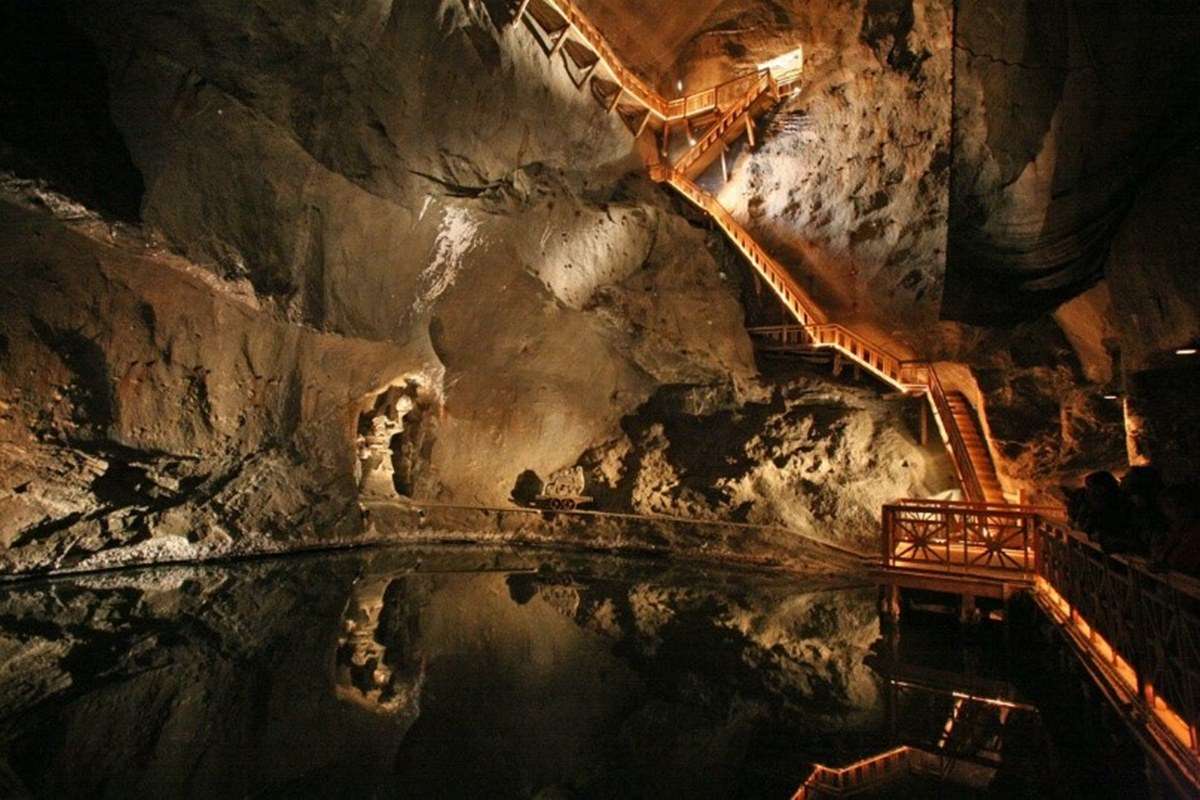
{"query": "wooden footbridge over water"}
{"type": "Point", "coordinates": [1136, 632]}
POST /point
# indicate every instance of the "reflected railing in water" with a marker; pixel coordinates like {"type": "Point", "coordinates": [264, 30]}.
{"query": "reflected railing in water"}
{"type": "Point", "coordinates": [1137, 630]}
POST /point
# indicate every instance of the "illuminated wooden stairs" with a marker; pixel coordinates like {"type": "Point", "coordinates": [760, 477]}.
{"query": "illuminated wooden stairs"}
{"type": "Point", "coordinates": [976, 445]}
{"type": "Point", "coordinates": [712, 119]}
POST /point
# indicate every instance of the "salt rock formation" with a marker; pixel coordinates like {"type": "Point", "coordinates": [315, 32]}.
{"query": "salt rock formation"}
{"type": "Point", "coordinates": [327, 206]}
{"type": "Point", "coordinates": [147, 407]}
{"type": "Point", "coordinates": [1027, 137]}
{"type": "Point", "coordinates": [356, 225]}
{"type": "Point", "coordinates": [819, 459]}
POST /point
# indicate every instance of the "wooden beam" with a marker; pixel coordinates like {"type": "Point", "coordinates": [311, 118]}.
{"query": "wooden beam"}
{"type": "Point", "coordinates": [588, 72]}
{"type": "Point", "coordinates": [562, 39]}
{"type": "Point", "coordinates": [616, 98]}
{"type": "Point", "coordinates": [724, 165]}
{"type": "Point", "coordinates": [749, 129]}
{"type": "Point", "coordinates": [521, 10]}
{"type": "Point", "coordinates": [642, 125]}
{"type": "Point", "coordinates": [666, 143]}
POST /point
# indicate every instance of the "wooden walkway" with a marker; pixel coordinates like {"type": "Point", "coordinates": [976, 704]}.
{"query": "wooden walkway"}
{"type": "Point", "coordinates": [1137, 632]}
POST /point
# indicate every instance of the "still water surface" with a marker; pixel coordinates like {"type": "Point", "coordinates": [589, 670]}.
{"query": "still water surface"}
{"type": "Point", "coordinates": [470, 673]}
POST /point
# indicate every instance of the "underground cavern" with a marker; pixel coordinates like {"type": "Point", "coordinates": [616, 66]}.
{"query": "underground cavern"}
{"type": "Point", "coordinates": [598, 398]}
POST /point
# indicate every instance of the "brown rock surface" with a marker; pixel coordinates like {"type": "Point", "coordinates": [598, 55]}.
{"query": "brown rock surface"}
{"type": "Point", "coordinates": [355, 204]}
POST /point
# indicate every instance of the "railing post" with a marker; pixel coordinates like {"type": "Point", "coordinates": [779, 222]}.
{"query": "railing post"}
{"type": "Point", "coordinates": [1137, 659]}
{"type": "Point", "coordinates": [888, 525]}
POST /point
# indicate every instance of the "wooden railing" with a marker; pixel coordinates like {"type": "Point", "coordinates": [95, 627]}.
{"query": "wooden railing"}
{"type": "Point", "coordinates": [905, 374]}
{"type": "Point", "coordinates": [968, 474]}
{"type": "Point", "coordinates": [715, 134]}
{"type": "Point", "coordinates": [734, 98]}
{"type": "Point", "coordinates": [625, 78]}
{"type": "Point", "coordinates": [1138, 629]}
{"type": "Point", "coordinates": [860, 776]}
{"type": "Point", "coordinates": [1143, 627]}
{"type": "Point", "coordinates": [975, 538]}
{"type": "Point", "coordinates": [705, 101]}
{"type": "Point", "coordinates": [797, 301]}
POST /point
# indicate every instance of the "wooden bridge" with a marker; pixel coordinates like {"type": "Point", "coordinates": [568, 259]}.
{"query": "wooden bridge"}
{"type": "Point", "coordinates": [1136, 631]}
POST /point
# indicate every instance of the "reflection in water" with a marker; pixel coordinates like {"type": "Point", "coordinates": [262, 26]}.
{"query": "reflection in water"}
{"type": "Point", "coordinates": [379, 664]}
{"type": "Point", "coordinates": [451, 673]}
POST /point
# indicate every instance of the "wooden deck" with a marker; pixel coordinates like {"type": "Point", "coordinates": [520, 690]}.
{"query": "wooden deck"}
{"type": "Point", "coordinates": [1137, 632]}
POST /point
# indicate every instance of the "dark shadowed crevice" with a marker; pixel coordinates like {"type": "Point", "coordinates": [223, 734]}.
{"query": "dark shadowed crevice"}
{"type": "Point", "coordinates": [54, 119]}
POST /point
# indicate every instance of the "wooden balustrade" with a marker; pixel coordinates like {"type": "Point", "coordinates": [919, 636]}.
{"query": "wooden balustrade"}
{"type": "Point", "coordinates": [798, 301]}
{"type": "Point", "coordinates": [858, 777]}
{"type": "Point", "coordinates": [906, 375]}
{"type": "Point", "coordinates": [706, 101]}
{"type": "Point", "coordinates": [1143, 627]}
{"type": "Point", "coordinates": [762, 85]}
{"type": "Point", "coordinates": [978, 538]}
{"type": "Point", "coordinates": [1139, 629]}
{"type": "Point", "coordinates": [968, 474]}
{"type": "Point", "coordinates": [733, 99]}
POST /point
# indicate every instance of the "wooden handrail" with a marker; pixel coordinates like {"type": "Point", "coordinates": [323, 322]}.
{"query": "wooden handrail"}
{"type": "Point", "coordinates": [903, 374]}
{"type": "Point", "coordinates": [798, 301]}
{"type": "Point", "coordinates": [1138, 630]}
{"type": "Point", "coordinates": [694, 104]}
{"type": "Point", "coordinates": [624, 76]}
{"type": "Point", "coordinates": [855, 778]}
{"type": "Point", "coordinates": [714, 135]}
{"type": "Point", "coordinates": [970, 539]}
{"type": "Point", "coordinates": [742, 93]}
{"type": "Point", "coordinates": [968, 475]}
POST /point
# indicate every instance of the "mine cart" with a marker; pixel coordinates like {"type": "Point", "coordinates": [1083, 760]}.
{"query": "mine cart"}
{"type": "Point", "coordinates": [564, 490]}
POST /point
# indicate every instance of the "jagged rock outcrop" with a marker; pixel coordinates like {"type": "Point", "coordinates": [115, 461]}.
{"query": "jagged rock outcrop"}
{"type": "Point", "coordinates": [370, 233]}
{"type": "Point", "coordinates": [148, 408]}
{"type": "Point", "coordinates": [818, 459]}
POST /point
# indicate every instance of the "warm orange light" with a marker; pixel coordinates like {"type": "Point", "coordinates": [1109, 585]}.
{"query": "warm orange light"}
{"type": "Point", "coordinates": [974, 698]}
{"type": "Point", "coordinates": [1170, 720]}
{"type": "Point", "coordinates": [1106, 654]}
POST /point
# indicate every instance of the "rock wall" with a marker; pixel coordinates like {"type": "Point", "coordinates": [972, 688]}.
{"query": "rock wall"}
{"type": "Point", "coordinates": [342, 207]}
{"type": "Point", "coordinates": [146, 407]}
{"type": "Point", "coordinates": [851, 180]}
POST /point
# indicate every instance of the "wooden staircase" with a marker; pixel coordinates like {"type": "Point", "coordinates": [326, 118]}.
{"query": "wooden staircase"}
{"type": "Point", "coordinates": [761, 95]}
{"type": "Point", "coordinates": [976, 446]}
{"type": "Point", "coordinates": [724, 113]}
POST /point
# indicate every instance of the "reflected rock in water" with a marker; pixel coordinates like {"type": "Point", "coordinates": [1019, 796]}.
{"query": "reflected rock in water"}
{"type": "Point", "coordinates": [433, 673]}
{"type": "Point", "coordinates": [378, 663]}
